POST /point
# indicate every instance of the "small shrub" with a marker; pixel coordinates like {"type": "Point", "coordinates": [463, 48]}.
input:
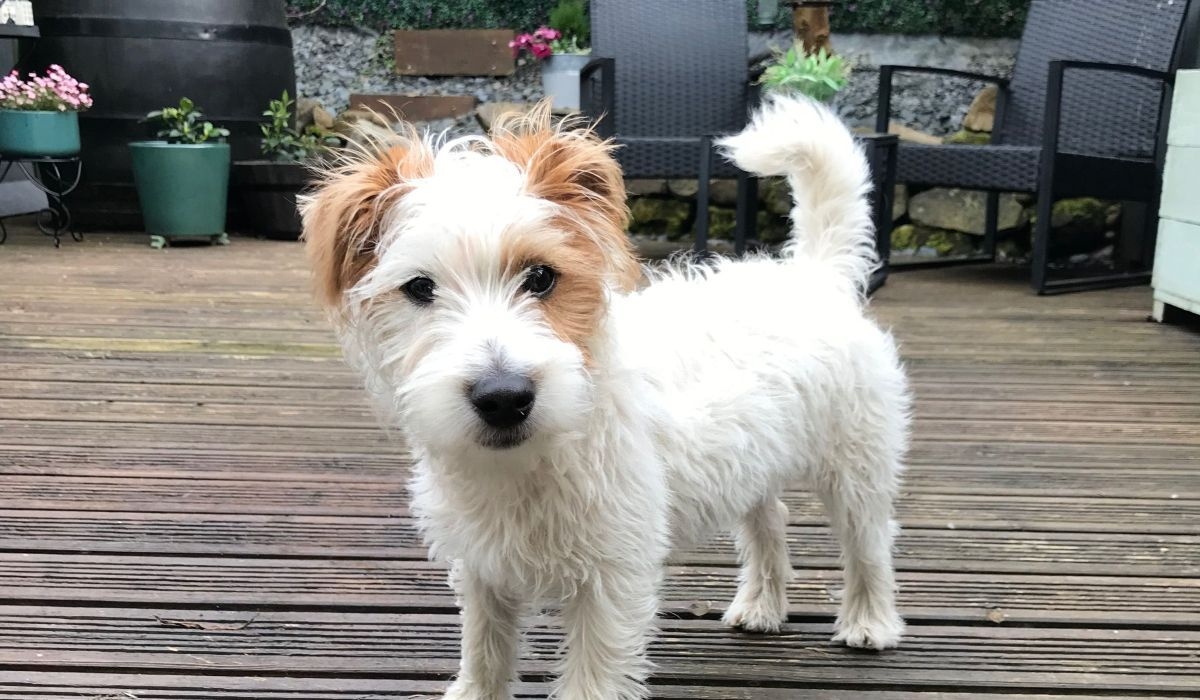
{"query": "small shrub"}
{"type": "Point", "coordinates": [819, 75]}
{"type": "Point", "coordinates": [570, 18]}
{"type": "Point", "coordinates": [183, 124]}
{"type": "Point", "coordinates": [281, 142]}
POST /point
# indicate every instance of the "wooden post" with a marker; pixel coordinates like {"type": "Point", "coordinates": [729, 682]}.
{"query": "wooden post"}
{"type": "Point", "coordinates": [810, 22]}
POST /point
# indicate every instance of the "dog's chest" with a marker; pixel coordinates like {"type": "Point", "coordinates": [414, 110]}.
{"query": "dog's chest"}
{"type": "Point", "coordinates": [538, 540]}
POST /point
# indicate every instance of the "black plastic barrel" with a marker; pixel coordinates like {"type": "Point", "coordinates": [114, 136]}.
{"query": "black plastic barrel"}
{"type": "Point", "coordinates": [231, 57]}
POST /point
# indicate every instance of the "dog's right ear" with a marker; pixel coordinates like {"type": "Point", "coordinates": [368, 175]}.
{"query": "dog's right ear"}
{"type": "Point", "coordinates": [343, 215]}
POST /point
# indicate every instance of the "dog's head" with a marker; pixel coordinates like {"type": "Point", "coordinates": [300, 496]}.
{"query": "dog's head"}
{"type": "Point", "coordinates": [471, 279]}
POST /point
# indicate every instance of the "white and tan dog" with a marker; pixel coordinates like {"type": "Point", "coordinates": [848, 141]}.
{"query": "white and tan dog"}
{"type": "Point", "coordinates": [568, 428]}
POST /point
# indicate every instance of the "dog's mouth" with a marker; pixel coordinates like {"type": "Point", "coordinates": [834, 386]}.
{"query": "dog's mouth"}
{"type": "Point", "coordinates": [504, 438]}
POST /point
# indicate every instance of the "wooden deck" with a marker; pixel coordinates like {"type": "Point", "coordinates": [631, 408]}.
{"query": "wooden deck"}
{"type": "Point", "coordinates": [195, 502]}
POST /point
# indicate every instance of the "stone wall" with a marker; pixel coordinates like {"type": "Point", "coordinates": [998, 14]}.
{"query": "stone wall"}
{"type": "Point", "coordinates": [332, 63]}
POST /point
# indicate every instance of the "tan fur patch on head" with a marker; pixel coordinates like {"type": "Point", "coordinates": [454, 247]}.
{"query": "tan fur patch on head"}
{"type": "Point", "coordinates": [343, 215]}
{"type": "Point", "coordinates": [576, 305]}
{"type": "Point", "coordinates": [574, 169]}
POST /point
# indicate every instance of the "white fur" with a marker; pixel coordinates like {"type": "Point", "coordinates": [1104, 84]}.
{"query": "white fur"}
{"type": "Point", "coordinates": [709, 392]}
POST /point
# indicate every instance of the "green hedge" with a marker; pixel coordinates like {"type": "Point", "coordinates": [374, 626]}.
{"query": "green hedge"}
{"type": "Point", "coordinates": [426, 14]}
{"type": "Point", "coordinates": [994, 18]}
{"type": "Point", "coordinates": [983, 18]}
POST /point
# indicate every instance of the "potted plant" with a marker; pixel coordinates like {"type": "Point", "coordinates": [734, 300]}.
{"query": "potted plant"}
{"type": "Point", "coordinates": [40, 116]}
{"type": "Point", "coordinates": [268, 187]}
{"type": "Point", "coordinates": [819, 75]}
{"type": "Point", "coordinates": [563, 50]}
{"type": "Point", "coordinates": [182, 178]}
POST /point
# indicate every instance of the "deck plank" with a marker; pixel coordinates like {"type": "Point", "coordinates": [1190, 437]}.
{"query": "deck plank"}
{"type": "Point", "coordinates": [424, 646]}
{"type": "Point", "coordinates": [397, 585]}
{"type": "Point", "coordinates": [185, 444]}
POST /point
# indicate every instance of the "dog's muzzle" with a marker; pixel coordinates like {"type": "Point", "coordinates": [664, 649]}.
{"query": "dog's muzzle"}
{"type": "Point", "coordinates": [503, 401]}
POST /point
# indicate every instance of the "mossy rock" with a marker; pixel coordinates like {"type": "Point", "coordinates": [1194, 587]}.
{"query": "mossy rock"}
{"type": "Point", "coordinates": [683, 188]}
{"type": "Point", "coordinates": [721, 222]}
{"type": "Point", "coordinates": [772, 228]}
{"type": "Point", "coordinates": [964, 137]}
{"type": "Point", "coordinates": [645, 187]}
{"type": "Point", "coordinates": [776, 195]}
{"type": "Point", "coordinates": [904, 237]}
{"type": "Point", "coordinates": [963, 210]}
{"type": "Point", "coordinates": [944, 243]}
{"type": "Point", "coordinates": [899, 201]}
{"type": "Point", "coordinates": [655, 215]}
{"type": "Point", "coordinates": [948, 243]}
{"type": "Point", "coordinates": [1079, 214]}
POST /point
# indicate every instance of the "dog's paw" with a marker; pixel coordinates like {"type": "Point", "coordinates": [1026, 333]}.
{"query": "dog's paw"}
{"type": "Point", "coordinates": [465, 690]}
{"type": "Point", "coordinates": [754, 616]}
{"type": "Point", "coordinates": [879, 633]}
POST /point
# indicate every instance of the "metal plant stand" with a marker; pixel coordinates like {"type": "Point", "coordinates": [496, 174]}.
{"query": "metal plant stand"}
{"type": "Point", "coordinates": [57, 177]}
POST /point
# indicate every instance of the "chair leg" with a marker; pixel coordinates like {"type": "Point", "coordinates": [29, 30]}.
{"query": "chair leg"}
{"type": "Point", "coordinates": [702, 178]}
{"type": "Point", "coordinates": [747, 212]}
{"type": "Point", "coordinates": [1041, 239]}
{"type": "Point", "coordinates": [991, 224]}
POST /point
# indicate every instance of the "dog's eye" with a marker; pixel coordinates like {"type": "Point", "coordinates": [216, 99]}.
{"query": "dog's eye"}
{"type": "Point", "coordinates": [420, 290]}
{"type": "Point", "coordinates": [539, 280]}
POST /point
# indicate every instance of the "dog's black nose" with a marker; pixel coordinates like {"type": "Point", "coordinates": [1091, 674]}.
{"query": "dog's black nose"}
{"type": "Point", "coordinates": [503, 400]}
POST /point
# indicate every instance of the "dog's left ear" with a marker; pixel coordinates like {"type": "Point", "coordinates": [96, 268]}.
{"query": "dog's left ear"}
{"type": "Point", "coordinates": [573, 168]}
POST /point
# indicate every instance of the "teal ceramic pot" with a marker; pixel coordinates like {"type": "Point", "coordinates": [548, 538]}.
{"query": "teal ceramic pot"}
{"type": "Point", "coordinates": [31, 134]}
{"type": "Point", "coordinates": [182, 187]}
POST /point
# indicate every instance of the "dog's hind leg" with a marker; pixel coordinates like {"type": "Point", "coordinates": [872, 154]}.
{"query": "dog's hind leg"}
{"type": "Point", "coordinates": [761, 601]}
{"type": "Point", "coordinates": [859, 501]}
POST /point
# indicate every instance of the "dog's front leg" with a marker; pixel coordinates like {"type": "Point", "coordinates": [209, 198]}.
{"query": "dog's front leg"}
{"type": "Point", "coordinates": [489, 641]}
{"type": "Point", "coordinates": [608, 624]}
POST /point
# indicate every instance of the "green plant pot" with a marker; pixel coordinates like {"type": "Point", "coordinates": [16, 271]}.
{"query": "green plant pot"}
{"type": "Point", "coordinates": [25, 133]}
{"type": "Point", "coordinates": [182, 189]}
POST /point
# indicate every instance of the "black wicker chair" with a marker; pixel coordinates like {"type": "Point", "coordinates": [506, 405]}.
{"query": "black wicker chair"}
{"type": "Point", "coordinates": [1083, 114]}
{"type": "Point", "coordinates": [667, 77]}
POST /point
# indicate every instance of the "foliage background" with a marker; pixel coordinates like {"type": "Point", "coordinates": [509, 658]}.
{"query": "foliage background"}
{"type": "Point", "coordinates": [982, 18]}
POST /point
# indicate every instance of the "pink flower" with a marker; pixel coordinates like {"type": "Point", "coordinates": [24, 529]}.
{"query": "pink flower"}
{"type": "Point", "coordinates": [521, 42]}
{"type": "Point", "coordinates": [541, 51]}
{"type": "Point", "coordinates": [547, 34]}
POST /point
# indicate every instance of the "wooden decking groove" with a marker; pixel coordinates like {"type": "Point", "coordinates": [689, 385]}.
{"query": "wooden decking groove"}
{"type": "Point", "coordinates": [196, 502]}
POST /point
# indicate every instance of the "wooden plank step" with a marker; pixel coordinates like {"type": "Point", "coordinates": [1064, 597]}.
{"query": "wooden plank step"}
{"type": "Point", "coordinates": [218, 410]}
{"type": "Point", "coordinates": [323, 348]}
{"type": "Point", "coordinates": [425, 646]}
{"type": "Point", "coordinates": [244, 372]}
{"type": "Point", "coordinates": [170, 436]}
{"type": "Point", "coordinates": [190, 393]}
{"type": "Point", "coordinates": [301, 433]}
{"type": "Point", "coordinates": [204, 462]}
{"type": "Point", "coordinates": [918, 549]}
{"type": "Point", "coordinates": [227, 404]}
{"type": "Point", "coordinates": [1173, 514]}
{"type": "Point", "coordinates": [983, 399]}
{"type": "Point", "coordinates": [397, 585]}
{"type": "Point", "coordinates": [318, 332]}
{"type": "Point", "coordinates": [24, 685]}
{"type": "Point", "coordinates": [1158, 473]}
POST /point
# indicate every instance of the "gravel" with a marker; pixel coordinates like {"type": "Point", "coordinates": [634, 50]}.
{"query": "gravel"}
{"type": "Point", "coordinates": [332, 63]}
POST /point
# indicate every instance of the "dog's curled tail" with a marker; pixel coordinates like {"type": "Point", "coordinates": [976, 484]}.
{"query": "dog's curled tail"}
{"type": "Point", "coordinates": [830, 179]}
